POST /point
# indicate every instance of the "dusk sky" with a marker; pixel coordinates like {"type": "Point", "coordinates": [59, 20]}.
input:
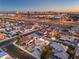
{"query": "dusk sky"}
{"type": "Point", "coordinates": [39, 5]}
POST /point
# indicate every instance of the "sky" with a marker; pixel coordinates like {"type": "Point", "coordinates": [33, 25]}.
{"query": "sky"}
{"type": "Point", "coordinates": [39, 5]}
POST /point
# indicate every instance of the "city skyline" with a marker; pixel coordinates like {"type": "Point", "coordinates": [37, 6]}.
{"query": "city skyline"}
{"type": "Point", "coordinates": [40, 5]}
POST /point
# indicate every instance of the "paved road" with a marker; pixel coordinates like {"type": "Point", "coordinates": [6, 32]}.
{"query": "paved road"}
{"type": "Point", "coordinates": [16, 52]}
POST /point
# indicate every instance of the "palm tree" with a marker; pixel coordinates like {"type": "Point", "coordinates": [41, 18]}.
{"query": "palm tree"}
{"type": "Point", "coordinates": [46, 52]}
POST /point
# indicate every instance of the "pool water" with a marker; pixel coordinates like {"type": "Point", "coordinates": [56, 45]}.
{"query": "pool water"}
{"type": "Point", "coordinates": [2, 53]}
